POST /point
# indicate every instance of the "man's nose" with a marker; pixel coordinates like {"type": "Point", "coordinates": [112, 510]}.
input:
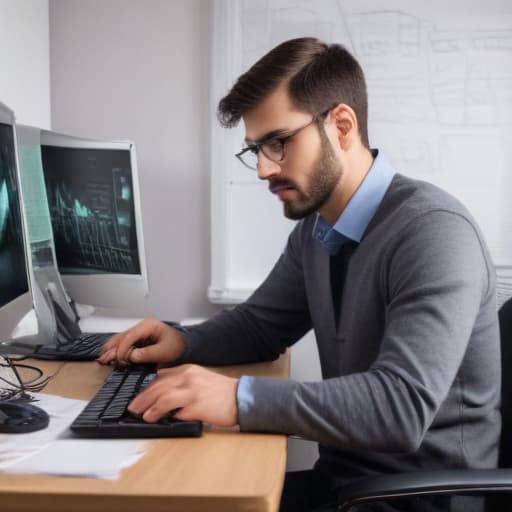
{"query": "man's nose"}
{"type": "Point", "coordinates": [267, 168]}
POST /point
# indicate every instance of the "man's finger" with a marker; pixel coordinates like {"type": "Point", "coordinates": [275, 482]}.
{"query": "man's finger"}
{"type": "Point", "coordinates": [157, 399]}
{"type": "Point", "coordinates": [149, 354]}
{"type": "Point", "coordinates": [107, 356]}
{"type": "Point", "coordinates": [111, 342]}
{"type": "Point", "coordinates": [142, 331]}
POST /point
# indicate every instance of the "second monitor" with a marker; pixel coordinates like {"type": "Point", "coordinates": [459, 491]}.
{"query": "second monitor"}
{"type": "Point", "coordinates": [93, 198]}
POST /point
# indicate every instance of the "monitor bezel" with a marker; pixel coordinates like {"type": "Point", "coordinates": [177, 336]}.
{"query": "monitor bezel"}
{"type": "Point", "coordinates": [107, 290]}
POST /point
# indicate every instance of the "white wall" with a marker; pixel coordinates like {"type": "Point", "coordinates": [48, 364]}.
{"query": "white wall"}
{"type": "Point", "coordinates": [139, 70]}
{"type": "Point", "coordinates": [25, 69]}
{"type": "Point", "coordinates": [25, 60]}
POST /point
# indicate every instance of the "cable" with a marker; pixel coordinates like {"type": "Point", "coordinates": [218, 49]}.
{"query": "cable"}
{"type": "Point", "coordinates": [21, 388]}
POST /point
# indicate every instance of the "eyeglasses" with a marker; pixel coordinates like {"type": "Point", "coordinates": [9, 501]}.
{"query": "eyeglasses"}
{"type": "Point", "coordinates": [273, 147]}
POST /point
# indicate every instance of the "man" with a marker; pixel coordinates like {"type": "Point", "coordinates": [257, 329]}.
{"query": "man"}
{"type": "Point", "coordinates": [391, 273]}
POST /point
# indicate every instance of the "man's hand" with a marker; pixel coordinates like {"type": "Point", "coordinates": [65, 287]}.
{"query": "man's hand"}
{"type": "Point", "coordinates": [149, 341]}
{"type": "Point", "coordinates": [199, 394]}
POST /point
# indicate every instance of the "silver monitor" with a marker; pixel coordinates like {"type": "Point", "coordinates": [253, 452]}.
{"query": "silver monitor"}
{"type": "Point", "coordinates": [53, 306]}
{"type": "Point", "coordinates": [15, 291]}
{"type": "Point", "coordinates": [93, 197]}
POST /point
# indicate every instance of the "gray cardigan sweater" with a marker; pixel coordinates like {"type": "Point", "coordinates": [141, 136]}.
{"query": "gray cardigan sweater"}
{"type": "Point", "coordinates": [411, 373]}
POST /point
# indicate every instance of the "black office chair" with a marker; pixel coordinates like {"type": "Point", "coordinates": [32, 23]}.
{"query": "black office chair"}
{"type": "Point", "coordinates": [496, 484]}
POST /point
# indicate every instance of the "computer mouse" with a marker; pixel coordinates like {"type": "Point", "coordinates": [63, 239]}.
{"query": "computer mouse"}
{"type": "Point", "coordinates": [20, 417]}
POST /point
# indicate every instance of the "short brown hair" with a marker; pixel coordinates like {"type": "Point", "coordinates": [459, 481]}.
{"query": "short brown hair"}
{"type": "Point", "coordinates": [319, 76]}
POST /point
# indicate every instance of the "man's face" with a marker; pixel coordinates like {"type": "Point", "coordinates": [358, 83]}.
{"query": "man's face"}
{"type": "Point", "coordinates": [317, 185]}
{"type": "Point", "coordinates": [310, 171]}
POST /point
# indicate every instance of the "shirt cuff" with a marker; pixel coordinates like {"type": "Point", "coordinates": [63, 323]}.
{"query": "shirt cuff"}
{"type": "Point", "coordinates": [244, 396]}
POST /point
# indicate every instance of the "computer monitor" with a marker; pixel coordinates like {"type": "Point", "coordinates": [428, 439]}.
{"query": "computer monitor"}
{"type": "Point", "coordinates": [15, 298]}
{"type": "Point", "coordinates": [93, 197]}
{"type": "Point", "coordinates": [53, 306]}
{"type": "Point", "coordinates": [16, 291]}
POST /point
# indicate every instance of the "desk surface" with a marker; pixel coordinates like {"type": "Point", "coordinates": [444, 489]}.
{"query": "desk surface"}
{"type": "Point", "coordinates": [221, 471]}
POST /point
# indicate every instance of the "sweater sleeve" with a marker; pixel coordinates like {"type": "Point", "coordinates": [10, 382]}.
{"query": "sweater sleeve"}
{"type": "Point", "coordinates": [436, 276]}
{"type": "Point", "coordinates": [273, 318]}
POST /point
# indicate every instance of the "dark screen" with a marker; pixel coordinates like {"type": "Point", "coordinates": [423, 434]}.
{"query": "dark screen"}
{"type": "Point", "coordinates": [13, 270]}
{"type": "Point", "coordinates": [90, 196]}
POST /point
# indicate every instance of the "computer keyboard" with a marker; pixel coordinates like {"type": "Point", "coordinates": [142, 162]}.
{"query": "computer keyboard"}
{"type": "Point", "coordinates": [106, 415]}
{"type": "Point", "coordinates": [85, 347]}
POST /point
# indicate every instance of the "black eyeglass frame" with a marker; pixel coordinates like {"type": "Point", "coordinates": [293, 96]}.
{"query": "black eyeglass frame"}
{"type": "Point", "coordinates": [257, 146]}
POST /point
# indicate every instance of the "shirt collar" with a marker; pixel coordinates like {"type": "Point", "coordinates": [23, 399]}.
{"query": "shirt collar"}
{"type": "Point", "coordinates": [361, 208]}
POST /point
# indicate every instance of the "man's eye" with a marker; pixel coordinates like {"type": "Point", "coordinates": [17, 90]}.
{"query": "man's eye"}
{"type": "Point", "coordinates": [274, 145]}
{"type": "Point", "coordinates": [253, 149]}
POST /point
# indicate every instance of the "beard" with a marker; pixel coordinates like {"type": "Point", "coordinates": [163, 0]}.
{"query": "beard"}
{"type": "Point", "coordinates": [327, 171]}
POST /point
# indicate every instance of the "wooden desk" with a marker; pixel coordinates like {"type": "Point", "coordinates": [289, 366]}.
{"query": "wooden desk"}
{"type": "Point", "coordinates": [221, 471]}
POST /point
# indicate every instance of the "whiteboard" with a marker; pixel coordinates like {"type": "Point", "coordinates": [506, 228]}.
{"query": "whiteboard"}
{"type": "Point", "coordinates": [439, 78]}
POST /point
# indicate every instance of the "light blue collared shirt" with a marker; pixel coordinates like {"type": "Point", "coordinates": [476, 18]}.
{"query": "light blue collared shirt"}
{"type": "Point", "coordinates": [361, 208]}
{"type": "Point", "coordinates": [351, 225]}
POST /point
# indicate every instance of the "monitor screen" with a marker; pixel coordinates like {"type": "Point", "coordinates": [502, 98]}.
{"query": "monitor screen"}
{"type": "Point", "coordinates": [14, 285]}
{"type": "Point", "coordinates": [90, 196]}
{"type": "Point", "coordinates": [93, 200]}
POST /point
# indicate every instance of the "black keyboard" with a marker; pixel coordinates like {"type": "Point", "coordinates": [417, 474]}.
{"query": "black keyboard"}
{"type": "Point", "coordinates": [85, 347]}
{"type": "Point", "coordinates": [106, 415]}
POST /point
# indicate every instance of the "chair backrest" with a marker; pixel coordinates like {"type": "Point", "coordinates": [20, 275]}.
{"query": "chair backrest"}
{"type": "Point", "coordinates": [505, 317]}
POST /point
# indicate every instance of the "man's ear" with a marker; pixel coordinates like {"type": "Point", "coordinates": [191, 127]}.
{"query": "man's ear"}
{"type": "Point", "coordinates": [346, 124]}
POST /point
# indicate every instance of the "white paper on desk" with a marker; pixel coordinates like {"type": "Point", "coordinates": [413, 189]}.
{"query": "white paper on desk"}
{"type": "Point", "coordinates": [62, 412]}
{"type": "Point", "coordinates": [82, 457]}
{"type": "Point", "coordinates": [52, 451]}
